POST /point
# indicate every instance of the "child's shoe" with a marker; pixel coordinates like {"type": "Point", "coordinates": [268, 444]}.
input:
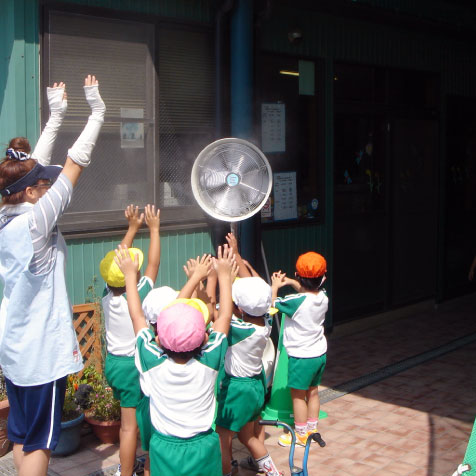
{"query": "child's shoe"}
{"type": "Point", "coordinates": [285, 439]}
{"type": "Point", "coordinates": [139, 466]}
{"type": "Point", "coordinates": [118, 472]}
{"type": "Point", "coordinates": [250, 463]}
{"type": "Point", "coordinates": [310, 432]}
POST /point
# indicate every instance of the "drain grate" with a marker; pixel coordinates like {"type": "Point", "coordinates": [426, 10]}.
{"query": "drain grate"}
{"type": "Point", "coordinates": [385, 372]}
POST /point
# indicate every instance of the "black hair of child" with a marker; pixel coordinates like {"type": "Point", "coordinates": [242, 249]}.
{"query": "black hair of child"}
{"type": "Point", "coordinates": [312, 284]}
{"type": "Point", "coordinates": [116, 290]}
{"type": "Point", "coordinates": [182, 355]}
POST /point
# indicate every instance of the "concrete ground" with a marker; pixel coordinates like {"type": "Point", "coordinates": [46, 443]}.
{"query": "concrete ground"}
{"type": "Point", "coordinates": [399, 390]}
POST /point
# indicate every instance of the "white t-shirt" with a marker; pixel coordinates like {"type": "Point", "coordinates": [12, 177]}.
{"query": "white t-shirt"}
{"type": "Point", "coordinates": [246, 344]}
{"type": "Point", "coordinates": [303, 334]}
{"type": "Point", "coordinates": [182, 397]}
{"type": "Point", "coordinates": [120, 336]}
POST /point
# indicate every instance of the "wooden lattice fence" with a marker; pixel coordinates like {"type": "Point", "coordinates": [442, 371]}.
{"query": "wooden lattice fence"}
{"type": "Point", "coordinates": [87, 324]}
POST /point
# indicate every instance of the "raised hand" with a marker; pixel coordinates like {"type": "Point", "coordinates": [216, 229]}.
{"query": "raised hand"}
{"type": "Point", "coordinates": [91, 91]}
{"type": "Point", "coordinates": [278, 279]}
{"type": "Point", "coordinates": [202, 267]}
{"type": "Point", "coordinates": [57, 99]}
{"type": "Point", "coordinates": [225, 260]}
{"type": "Point", "coordinates": [128, 265]}
{"type": "Point", "coordinates": [90, 80]}
{"type": "Point", "coordinates": [152, 217]}
{"type": "Point", "coordinates": [134, 218]}
{"type": "Point", "coordinates": [189, 266]}
{"type": "Point", "coordinates": [232, 242]}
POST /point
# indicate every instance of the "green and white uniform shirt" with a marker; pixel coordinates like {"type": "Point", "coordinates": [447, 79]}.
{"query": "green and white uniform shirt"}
{"type": "Point", "coordinates": [120, 335]}
{"type": "Point", "coordinates": [303, 334]}
{"type": "Point", "coordinates": [182, 397]}
{"type": "Point", "coordinates": [246, 347]}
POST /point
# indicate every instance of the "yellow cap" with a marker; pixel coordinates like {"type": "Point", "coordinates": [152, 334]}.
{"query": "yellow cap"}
{"type": "Point", "coordinates": [111, 273]}
{"type": "Point", "coordinates": [194, 302]}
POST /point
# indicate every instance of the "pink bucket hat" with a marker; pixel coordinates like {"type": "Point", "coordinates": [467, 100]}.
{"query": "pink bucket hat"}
{"type": "Point", "coordinates": [180, 327]}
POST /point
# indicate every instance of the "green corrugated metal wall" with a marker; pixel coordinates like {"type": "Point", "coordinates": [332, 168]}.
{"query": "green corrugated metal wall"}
{"type": "Point", "coordinates": [19, 113]}
{"type": "Point", "coordinates": [85, 254]}
{"type": "Point", "coordinates": [283, 246]}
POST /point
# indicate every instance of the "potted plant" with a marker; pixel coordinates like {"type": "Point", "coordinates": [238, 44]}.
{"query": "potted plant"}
{"type": "Point", "coordinates": [104, 413]}
{"type": "Point", "coordinates": [71, 420]}
{"type": "Point", "coordinates": [4, 410]}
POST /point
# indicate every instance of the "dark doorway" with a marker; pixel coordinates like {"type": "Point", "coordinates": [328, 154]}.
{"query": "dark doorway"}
{"type": "Point", "coordinates": [460, 203]}
{"type": "Point", "coordinates": [386, 160]}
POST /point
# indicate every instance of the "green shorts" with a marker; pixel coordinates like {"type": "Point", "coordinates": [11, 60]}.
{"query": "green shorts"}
{"type": "Point", "coordinates": [123, 377]}
{"type": "Point", "coordinates": [305, 373]}
{"type": "Point", "coordinates": [144, 423]}
{"type": "Point", "coordinates": [196, 456]}
{"type": "Point", "coordinates": [240, 400]}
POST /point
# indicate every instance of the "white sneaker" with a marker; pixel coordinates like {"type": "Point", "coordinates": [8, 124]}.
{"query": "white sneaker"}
{"type": "Point", "coordinates": [118, 472]}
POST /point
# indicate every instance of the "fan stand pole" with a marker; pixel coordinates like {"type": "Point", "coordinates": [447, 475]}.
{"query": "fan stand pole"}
{"type": "Point", "coordinates": [234, 228]}
{"type": "Point", "coordinates": [265, 263]}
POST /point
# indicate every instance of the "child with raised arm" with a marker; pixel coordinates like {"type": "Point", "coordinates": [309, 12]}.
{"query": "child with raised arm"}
{"type": "Point", "coordinates": [120, 369]}
{"type": "Point", "coordinates": [39, 345]}
{"type": "Point", "coordinates": [180, 369]}
{"type": "Point", "coordinates": [304, 340]}
{"type": "Point", "coordinates": [242, 392]}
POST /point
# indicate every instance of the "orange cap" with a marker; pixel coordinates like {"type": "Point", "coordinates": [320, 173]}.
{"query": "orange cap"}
{"type": "Point", "coordinates": [311, 265]}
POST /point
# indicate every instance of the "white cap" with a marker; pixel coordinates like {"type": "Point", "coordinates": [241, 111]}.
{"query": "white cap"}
{"type": "Point", "coordinates": [253, 295]}
{"type": "Point", "coordinates": [156, 300]}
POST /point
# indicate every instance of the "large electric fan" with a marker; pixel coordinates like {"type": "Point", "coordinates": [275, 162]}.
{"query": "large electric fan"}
{"type": "Point", "coordinates": [231, 179]}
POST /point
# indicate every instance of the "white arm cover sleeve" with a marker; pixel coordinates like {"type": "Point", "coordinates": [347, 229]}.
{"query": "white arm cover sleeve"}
{"type": "Point", "coordinates": [81, 150]}
{"type": "Point", "coordinates": [58, 106]}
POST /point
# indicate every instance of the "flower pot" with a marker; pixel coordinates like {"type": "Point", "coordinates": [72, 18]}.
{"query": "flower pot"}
{"type": "Point", "coordinates": [70, 437]}
{"type": "Point", "coordinates": [4, 409]}
{"type": "Point", "coordinates": [106, 431]}
{"type": "Point", "coordinates": [4, 442]}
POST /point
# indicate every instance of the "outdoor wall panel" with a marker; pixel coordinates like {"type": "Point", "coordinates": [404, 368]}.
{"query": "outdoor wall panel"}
{"type": "Point", "coordinates": [358, 41]}
{"type": "Point", "coordinates": [18, 70]}
{"type": "Point", "coordinates": [84, 255]}
{"type": "Point", "coordinates": [283, 246]}
{"type": "Point", "coordinates": [197, 10]}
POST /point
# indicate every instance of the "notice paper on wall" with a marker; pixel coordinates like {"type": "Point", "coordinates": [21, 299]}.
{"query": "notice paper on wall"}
{"type": "Point", "coordinates": [273, 127]}
{"type": "Point", "coordinates": [132, 133]}
{"type": "Point", "coordinates": [285, 196]}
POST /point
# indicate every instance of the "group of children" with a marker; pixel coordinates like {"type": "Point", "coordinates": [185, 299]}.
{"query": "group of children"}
{"type": "Point", "coordinates": [167, 349]}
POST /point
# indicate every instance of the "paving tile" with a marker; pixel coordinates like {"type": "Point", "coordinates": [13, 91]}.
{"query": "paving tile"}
{"type": "Point", "coordinates": [414, 458]}
{"type": "Point", "coordinates": [443, 467]}
{"type": "Point", "coordinates": [401, 468]}
{"type": "Point", "coordinates": [384, 472]}
{"type": "Point", "coordinates": [374, 446]}
{"type": "Point", "coordinates": [391, 452]}
{"type": "Point", "coordinates": [419, 472]}
{"type": "Point", "coordinates": [338, 463]}
{"type": "Point", "coordinates": [376, 460]}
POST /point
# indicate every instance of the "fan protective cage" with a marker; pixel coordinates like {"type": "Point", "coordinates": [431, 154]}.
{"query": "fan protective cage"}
{"type": "Point", "coordinates": [231, 179]}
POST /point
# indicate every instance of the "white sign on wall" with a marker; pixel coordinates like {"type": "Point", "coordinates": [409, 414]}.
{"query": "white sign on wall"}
{"type": "Point", "coordinates": [285, 196]}
{"type": "Point", "coordinates": [273, 127]}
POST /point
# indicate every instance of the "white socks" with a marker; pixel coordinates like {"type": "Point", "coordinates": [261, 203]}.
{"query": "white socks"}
{"type": "Point", "coordinates": [81, 150]}
{"type": "Point", "coordinates": [267, 465]}
{"type": "Point", "coordinates": [312, 425]}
